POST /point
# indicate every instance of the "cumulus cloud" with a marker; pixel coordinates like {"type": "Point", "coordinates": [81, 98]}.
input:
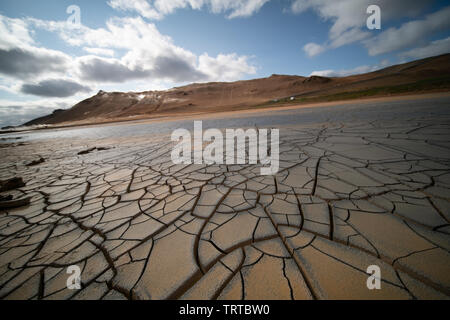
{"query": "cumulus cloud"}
{"type": "Point", "coordinates": [148, 57]}
{"type": "Point", "coordinates": [60, 88]}
{"type": "Point", "coordinates": [409, 34]}
{"type": "Point", "coordinates": [158, 9]}
{"type": "Point", "coordinates": [20, 58]}
{"type": "Point", "coordinates": [171, 68]}
{"type": "Point", "coordinates": [432, 49]}
{"type": "Point", "coordinates": [349, 18]}
{"type": "Point", "coordinates": [149, 54]}
{"type": "Point", "coordinates": [174, 68]}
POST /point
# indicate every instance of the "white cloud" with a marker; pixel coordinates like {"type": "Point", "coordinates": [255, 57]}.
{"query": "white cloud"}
{"type": "Point", "coordinates": [353, 35]}
{"type": "Point", "coordinates": [409, 34]}
{"type": "Point", "coordinates": [149, 54]}
{"type": "Point", "coordinates": [432, 49]}
{"type": "Point", "coordinates": [238, 8]}
{"type": "Point", "coordinates": [14, 33]}
{"type": "Point", "coordinates": [313, 49]}
{"type": "Point", "coordinates": [158, 9]}
{"type": "Point", "coordinates": [349, 36]}
{"type": "Point", "coordinates": [100, 51]}
{"type": "Point", "coordinates": [140, 6]}
{"type": "Point", "coordinates": [227, 67]}
{"type": "Point", "coordinates": [348, 18]}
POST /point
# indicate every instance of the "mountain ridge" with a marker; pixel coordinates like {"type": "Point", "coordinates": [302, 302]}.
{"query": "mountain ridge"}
{"type": "Point", "coordinates": [417, 76]}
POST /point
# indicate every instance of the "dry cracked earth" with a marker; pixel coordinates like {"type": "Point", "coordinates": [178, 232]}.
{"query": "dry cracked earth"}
{"type": "Point", "coordinates": [348, 195]}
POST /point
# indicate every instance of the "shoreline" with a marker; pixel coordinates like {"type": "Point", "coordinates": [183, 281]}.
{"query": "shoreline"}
{"type": "Point", "coordinates": [161, 118]}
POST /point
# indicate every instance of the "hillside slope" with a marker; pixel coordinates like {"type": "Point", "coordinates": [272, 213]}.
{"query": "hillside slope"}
{"type": "Point", "coordinates": [417, 76]}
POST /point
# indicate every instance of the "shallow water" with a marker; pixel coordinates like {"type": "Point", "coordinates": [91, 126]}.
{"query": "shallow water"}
{"type": "Point", "coordinates": [415, 109]}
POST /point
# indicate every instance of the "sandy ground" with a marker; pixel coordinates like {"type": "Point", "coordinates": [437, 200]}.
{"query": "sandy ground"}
{"type": "Point", "coordinates": [351, 193]}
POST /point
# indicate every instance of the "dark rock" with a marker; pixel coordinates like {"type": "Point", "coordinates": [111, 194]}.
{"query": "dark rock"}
{"type": "Point", "coordinates": [86, 151]}
{"type": "Point", "coordinates": [14, 203]}
{"type": "Point", "coordinates": [36, 162]}
{"type": "Point", "coordinates": [317, 79]}
{"type": "Point", "coordinates": [11, 184]}
{"type": "Point", "coordinates": [6, 198]}
{"type": "Point", "coordinates": [92, 150]}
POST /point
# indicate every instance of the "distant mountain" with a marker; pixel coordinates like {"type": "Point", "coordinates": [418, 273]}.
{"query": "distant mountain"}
{"type": "Point", "coordinates": [431, 74]}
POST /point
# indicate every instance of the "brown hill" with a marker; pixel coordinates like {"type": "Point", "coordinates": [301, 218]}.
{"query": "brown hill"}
{"type": "Point", "coordinates": [431, 74]}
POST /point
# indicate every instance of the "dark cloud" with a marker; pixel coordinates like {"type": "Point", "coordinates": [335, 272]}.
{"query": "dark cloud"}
{"type": "Point", "coordinates": [165, 67]}
{"type": "Point", "coordinates": [54, 88]}
{"type": "Point", "coordinates": [96, 69]}
{"type": "Point", "coordinates": [24, 63]}
{"type": "Point", "coordinates": [176, 69]}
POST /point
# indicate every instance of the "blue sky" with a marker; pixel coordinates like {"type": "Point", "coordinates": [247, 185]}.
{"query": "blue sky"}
{"type": "Point", "coordinates": [137, 45]}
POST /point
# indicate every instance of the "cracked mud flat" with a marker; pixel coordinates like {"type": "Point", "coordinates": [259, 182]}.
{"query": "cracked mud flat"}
{"type": "Point", "coordinates": [350, 194]}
